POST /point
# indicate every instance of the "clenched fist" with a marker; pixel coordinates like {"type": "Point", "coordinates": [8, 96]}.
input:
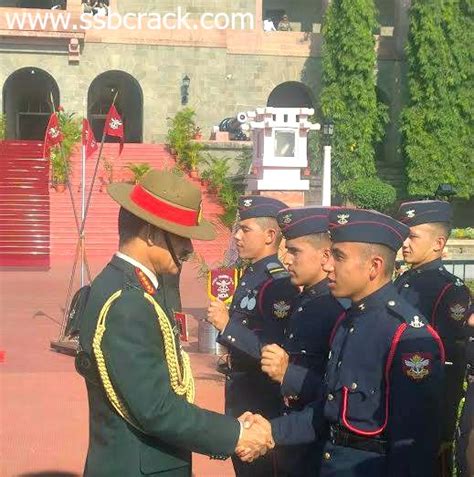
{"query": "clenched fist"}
{"type": "Point", "coordinates": [217, 314]}
{"type": "Point", "coordinates": [274, 362]}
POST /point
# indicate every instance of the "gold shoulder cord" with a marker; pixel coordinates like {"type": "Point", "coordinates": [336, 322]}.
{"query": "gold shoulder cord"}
{"type": "Point", "coordinates": [181, 380]}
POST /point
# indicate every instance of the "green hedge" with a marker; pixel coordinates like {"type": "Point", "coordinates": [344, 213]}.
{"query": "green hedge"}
{"type": "Point", "coordinates": [371, 193]}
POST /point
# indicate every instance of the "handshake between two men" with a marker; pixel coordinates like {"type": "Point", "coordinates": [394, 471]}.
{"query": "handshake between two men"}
{"type": "Point", "coordinates": [256, 437]}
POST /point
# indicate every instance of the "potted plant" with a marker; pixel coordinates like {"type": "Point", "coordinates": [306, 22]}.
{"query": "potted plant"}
{"type": "Point", "coordinates": [61, 153]}
{"type": "Point", "coordinates": [191, 157]}
{"type": "Point", "coordinates": [60, 169]}
{"type": "Point", "coordinates": [3, 127]}
{"type": "Point", "coordinates": [138, 170]}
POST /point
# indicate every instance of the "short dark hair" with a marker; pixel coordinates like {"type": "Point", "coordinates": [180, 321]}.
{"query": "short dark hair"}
{"type": "Point", "coordinates": [443, 228]}
{"type": "Point", "coordinates": [318, 240]}
{"type": "Point", "coordinates": [385, 252]}
{"type": "Point", "coordinates": [270, 223]}
{"type": "Point", "coordinates": [129, 226]}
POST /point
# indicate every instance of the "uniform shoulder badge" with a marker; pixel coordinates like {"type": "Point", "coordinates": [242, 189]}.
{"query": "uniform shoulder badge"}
{"type": "Point", "coordinates": [281, 309]}
{"type": "Point", "coordinates": [406, 313]}
{"type": "Point", "coordinates": [416, 322]}
{"type": "Point", "coordinates": [457, 312]}
{"type": "Point", "coordinates": [342, 219]}
{"type": "Point", "coordinates": [277, 270]}
{"type": "Point", "coordinates": [417, 366]}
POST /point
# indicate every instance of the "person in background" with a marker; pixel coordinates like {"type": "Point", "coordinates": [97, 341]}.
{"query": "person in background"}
{"type": "Point", "coordinates": [258, 315]}
{"type": "Point", "coordinates": [299, 365]}
{"type": "Point", "coordinates": [268, 25]}
{"type": "Point", "coordinates": [442, 298]}
{"type": "Point", "coordinates": [465, 432]}
{"type": "Point", "coordinates": [284, 24]}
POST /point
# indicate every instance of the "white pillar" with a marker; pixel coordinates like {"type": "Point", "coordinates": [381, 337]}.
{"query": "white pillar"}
{"type": "Point", "coordinates": [327, 177]}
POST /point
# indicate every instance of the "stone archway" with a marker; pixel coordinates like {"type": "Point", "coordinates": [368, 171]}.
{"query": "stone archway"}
{"type": "Point", "coordinates": [129, 104]}
{"type": "Point", "coordinates": [27, 102]}
{"type": "Point", "coordinates": [291, 94]}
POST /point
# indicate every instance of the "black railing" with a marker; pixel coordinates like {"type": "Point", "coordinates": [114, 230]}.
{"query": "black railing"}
{"type": "Point", "coordinates": [464, 269]}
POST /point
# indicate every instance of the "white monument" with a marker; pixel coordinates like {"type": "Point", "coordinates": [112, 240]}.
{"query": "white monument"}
{"type": "Point", "coordinates": [280, 145]}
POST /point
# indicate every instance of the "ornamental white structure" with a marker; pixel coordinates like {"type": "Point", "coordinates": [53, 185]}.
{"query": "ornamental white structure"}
{"type": "Point", "coordinates": [280, 147]}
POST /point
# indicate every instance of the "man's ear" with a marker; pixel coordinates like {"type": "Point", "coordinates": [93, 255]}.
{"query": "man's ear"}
{"type": "Point", "coordinates": [439, 243]}
{"type": "Point", "coordinates": [270, 236]}
{"type": "Point", "coordinates": [325, 254]}
{"type": "Point", "coordinates": [153, 236]}
{"type": "Point", "coordinates": [377, 267]}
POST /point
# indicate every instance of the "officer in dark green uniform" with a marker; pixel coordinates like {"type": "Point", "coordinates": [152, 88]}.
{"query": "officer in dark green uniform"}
{"type": "Point", "coordinates": [139, 380]}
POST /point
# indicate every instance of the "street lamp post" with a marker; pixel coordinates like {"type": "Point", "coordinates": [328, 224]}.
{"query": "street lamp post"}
{"type": "Point", "coordinates": [328, 132]}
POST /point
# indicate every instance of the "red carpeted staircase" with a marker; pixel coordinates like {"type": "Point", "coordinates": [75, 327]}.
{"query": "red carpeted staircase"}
{"type": "Point", "coordinates": [101, 224]}
{"type": "Point", "coordinates": [24, 205]}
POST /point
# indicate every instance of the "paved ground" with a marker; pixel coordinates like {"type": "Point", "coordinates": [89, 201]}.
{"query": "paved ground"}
{"type": "Point", "coordinates": [43, 405]}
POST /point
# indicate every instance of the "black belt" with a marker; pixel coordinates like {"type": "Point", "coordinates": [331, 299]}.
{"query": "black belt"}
{"type": "Point", "coordinates": [342, 437]}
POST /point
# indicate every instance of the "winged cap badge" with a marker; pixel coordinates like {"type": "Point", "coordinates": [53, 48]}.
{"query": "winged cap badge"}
{"type": "Point", "coordinates": [247, 202]}
{"type": "Point", "coordinates": [410, 213]}
{"type": "Point", "coordinates": [343, 219]}
{"type": "Point", "coordinates": [286, 219]}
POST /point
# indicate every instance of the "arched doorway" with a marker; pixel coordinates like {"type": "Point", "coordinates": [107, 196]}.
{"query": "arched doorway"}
{"type": "Point", "coordinates": [291, 94]}
{"type": "Point", "coordinates": [129, 104]}
{"type": "Point", "coordinates": [27, 102]}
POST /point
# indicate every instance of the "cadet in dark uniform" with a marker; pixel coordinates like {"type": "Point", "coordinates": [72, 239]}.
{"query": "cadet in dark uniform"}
{"type": "Point", "coordinates": [258, 316]}
{"type": "Point", "coordinates": [441, 297]}
{"type": "Point", "coordinates": [385, 367]}
{"type": "Point", "coordinates": [465, 434]}
{"type": "Point", "coordinates": [299, 365]}
{"type": "Point", "coordinates": [139, 380]}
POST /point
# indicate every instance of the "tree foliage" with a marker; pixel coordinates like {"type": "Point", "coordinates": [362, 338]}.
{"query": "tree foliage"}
{"type": "Point", "coordinates": [349, 89]}
{"type": "Point", "coordinates": [438, 121]}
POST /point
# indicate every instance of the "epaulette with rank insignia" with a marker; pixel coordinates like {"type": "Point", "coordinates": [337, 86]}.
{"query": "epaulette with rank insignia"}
{"type": "Point", "coordinates": [145, 281]}
{"type": "Point", "coordinates": [450, 277]}
{"type": "Point", "coordinates": [406, 313]}
{"type": "Point", "coordinates": [277, 271]}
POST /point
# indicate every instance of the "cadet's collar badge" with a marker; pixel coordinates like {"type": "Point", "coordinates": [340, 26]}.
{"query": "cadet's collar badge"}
{"type": "Point", "coordinates": [457, 312]}
{"type": "Point", "coordinates": [281, 309]}
{"type": "Point", "coordinates": [417, 365]}
{"type": "Point", "coordinates": [247, 202]}
{"type": "Point", "coordinates": [286, 219]}
{"type": "Point", "coordinates": [361, 307]}
{"type": "Point", "coordinates": [458, 282]}
{"type": "Point", "coordinates": [416, 322]}
{"type": "Point", "coordinates": [410, 213]}
{"type": "Point", "coordinates": [343, 219]}
{"type": "Point", "coordinates": [145, 281]}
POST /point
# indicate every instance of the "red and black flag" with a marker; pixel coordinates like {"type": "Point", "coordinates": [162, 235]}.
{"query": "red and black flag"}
{"type": "Point", "coordinates": [88, 139]}
{"type": "Point", "coordinates": [53, 135]}
{"type": "Point", "coordinates": [114, 125]}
